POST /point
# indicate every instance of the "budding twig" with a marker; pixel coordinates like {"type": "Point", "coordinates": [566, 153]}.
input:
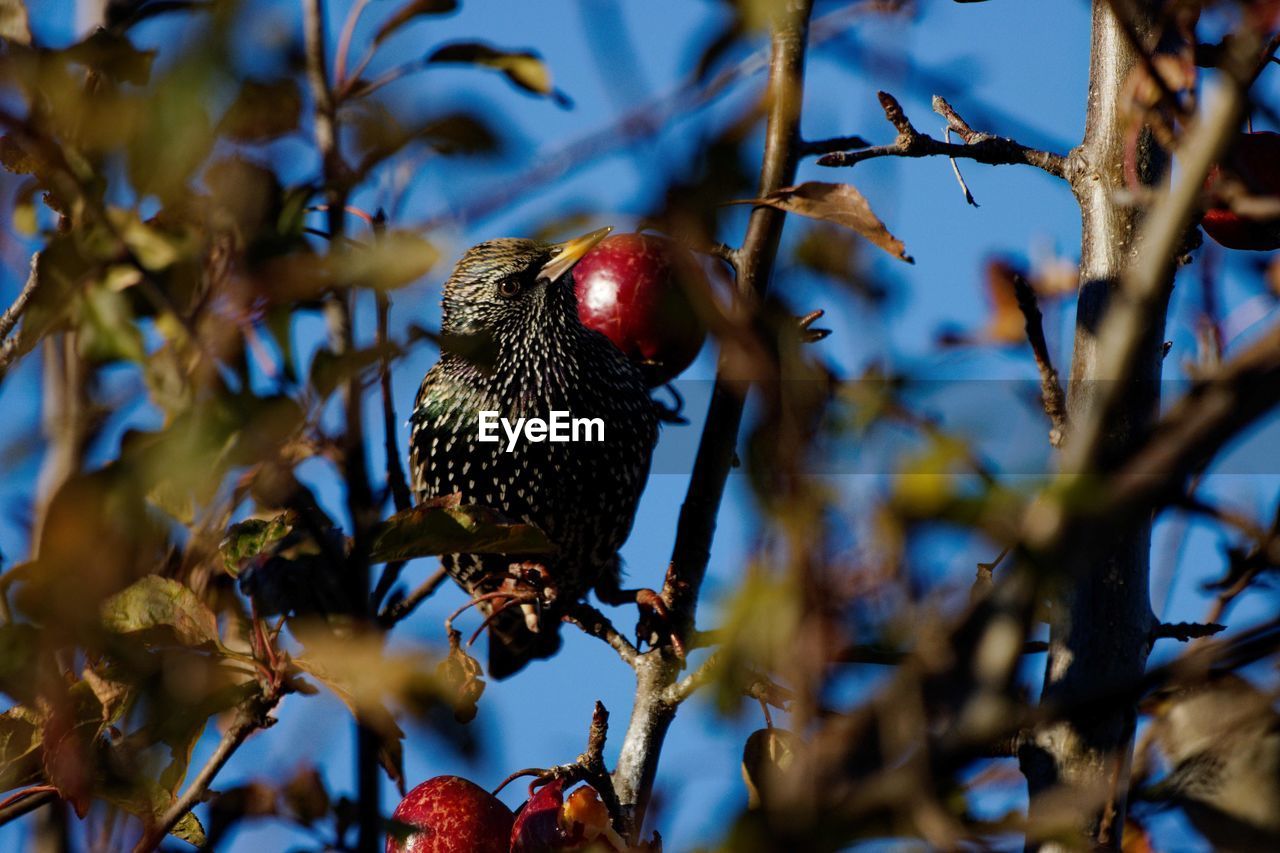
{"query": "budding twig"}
{"type": "Point", "coordinates": [980, 147]}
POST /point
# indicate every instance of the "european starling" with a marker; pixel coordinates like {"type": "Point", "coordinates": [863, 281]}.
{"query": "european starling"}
{"type": "Point", "coordinates": [512, 343]}
{"type": "Point", "coordinates": [1221, 740]}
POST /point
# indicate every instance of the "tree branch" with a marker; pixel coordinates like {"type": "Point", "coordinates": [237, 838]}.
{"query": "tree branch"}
{"type": "Point", "coordinates": [250, 718]}
{"type": "Point", "coordinates": [400, 610]}
{"type": "Point", "coordinates": [655, 671]}
{"type": "Point", "coordinates": [595, 623]}
{"type": "Point", "coordinates": [1052, 397]}
{"type": "Point", "coordinates": [980, 147]}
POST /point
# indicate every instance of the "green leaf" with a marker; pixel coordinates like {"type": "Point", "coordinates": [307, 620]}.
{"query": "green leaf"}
{"type": "Point", "coordinates": [328, 371]}
{"type": "Point", "coordinates": [19, 651]}
{"type": "Point", "coordinates": [525, 69]}
{"type": "Point", "coordinates": [153, 248]}
{"type": "Point", "coordinates": [149, 801]}
{"type": "Point", "coordinates": [21, 735]}
{"type": "Point", "coordinates": [263, 111]}
{"type": "Point", "coordinates": [161, 603]}
{"type": "Point", "coordinates": [108, 330]}
{"type": "Point", "coordinates": [395, 259]}
{"type": "Point", "coordinates": [409, 11]}
{"type": "Point", "coordinates": [250, 537]}
{"type": "Point", "coordinates": [430, 530]}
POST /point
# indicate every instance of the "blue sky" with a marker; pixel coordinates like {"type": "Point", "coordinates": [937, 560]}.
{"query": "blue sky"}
{"type": "Point", "coordinates": [1017, 68]}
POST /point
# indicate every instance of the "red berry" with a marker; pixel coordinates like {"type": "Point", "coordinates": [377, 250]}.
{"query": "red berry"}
{"type": "Point", "coordinates": [635, 289]}
{"type": "Point", "coordinates": [452, 815]}
{"type": "Point", "coordinates": [1255, 161]}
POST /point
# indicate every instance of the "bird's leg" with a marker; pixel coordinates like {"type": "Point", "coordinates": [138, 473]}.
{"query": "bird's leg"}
{"type": "Point", "coordinates": [655, 619]}
{"type": "Point", "coordinates": [531, 577]}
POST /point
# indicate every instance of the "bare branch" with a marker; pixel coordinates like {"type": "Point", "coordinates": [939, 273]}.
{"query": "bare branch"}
{"type": "Point", "coordinates": [10, 317]}
{"type": "Point", "coordinates": [595, 623]}
{"type": "Point", "coordinates": [979, 147]}
{"type": "Point", "coordinates": [818, 147]}
{"type": "Point", "coordinates": [26, 801]}
{"type": "Point", "coordinates": [1185, 632]}
{"type": "Point", "coordinates": [401, 609]}
{"type": "Point", "coordinates": [1052, 397]}
{"type": "Point", "coordinates": [249, 718]}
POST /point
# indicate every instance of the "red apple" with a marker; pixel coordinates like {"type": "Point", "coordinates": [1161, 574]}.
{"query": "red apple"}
{"type": "Point", "coordinates": [550, 822]}
{"type": "Point", "coordinates": [635, 289]}
{"type": "Point", "coordinates": [452, 815]}
{"type": "Point", "coordinates": [1255, 161]}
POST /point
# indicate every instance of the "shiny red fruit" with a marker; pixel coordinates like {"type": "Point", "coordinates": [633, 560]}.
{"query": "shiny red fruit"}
{"type": "Point", "coordinates": [1255, 161]}
{"type": "Point", "coordinates": [452, 815]}
{"type": "Point", "coordinates": [634, 289]}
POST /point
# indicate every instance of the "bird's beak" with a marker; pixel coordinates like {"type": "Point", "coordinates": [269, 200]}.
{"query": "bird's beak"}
{"type": "Point", "coordinates": [570, 252]}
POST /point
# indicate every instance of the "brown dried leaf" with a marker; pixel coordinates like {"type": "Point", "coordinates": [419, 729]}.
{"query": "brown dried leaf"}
{"type": "Point", "coordinates": [408, 12]}
{"type": "Point", "coordinates": [461, 676]}
{"type": "Point", "coordinates": [841, 204]}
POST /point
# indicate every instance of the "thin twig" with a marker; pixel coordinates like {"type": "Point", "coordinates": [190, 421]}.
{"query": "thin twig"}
{"type": "Point", "coordinates": [595, 623]}
{"type": "Point", "coordinates": [10, 317]}
{"type": "Point", "coordinates": [26, 801]}
{"type": "Point", "coordinates": [400, 610]}
{"type": "Point", "coordinates": [248, 720]}
{"type": "Point", "coordinates": [979, 147]}
{"type": "Point", "coordinates": [1052, 396]}
{"type": "Point", "coordinates": [344, 41]}
{"type": "Point", "coordinates": [1185, 632]}
{"type": "Point", "coordinates": [818, 147]}
{"type": "Point", "coordinates": [955, 170]}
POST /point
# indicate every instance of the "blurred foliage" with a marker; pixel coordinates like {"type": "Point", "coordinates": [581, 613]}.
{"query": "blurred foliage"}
{"type": "Point", "coordinates": [192, 581]}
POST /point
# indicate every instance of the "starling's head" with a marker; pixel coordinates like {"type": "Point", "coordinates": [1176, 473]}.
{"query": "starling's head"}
{"type": "Point", "coordinates": [513, 287]}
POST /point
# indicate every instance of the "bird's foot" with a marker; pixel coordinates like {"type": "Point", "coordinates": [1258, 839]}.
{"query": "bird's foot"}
{"type": "Point", "coordinates": [531, 585]}
{"type": "Point", "coordinates": [655, 626]}
{"type": "Point", "coordinates": [525, 584]}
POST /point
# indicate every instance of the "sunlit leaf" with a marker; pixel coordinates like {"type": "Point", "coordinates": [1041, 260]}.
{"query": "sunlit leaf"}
{"type": "Point", "coordinates": [263, 111]}
{"type": "Point", "coordinates": [14, 26]}
{"type": "Point", "coordinates": [524, 69]}
{"type": "Point", "coordinates": [251, 537]}
{"type": "Point", "coordinates": [149, 801]}
{"type": "Point", "coordinates": [107, 326]}
{"type": "Point", "coordinates": [429, 530]}
{"type": "Point", "coordinates": [838, 203]}
{"type": "Point", "coordinates": [366, 678]}
{"type": "Point", "coordinates": [397, 258]}
{"type": "Point", "coordinates": [157, 602]}
{"type": "Point", "coordinates": [409, 11]}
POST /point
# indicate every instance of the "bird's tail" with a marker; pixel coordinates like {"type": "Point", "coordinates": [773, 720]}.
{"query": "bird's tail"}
{"type": "Point", "coordinates": [512, 645]}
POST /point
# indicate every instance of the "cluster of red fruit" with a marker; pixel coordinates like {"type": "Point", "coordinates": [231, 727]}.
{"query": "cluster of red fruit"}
{"type": "Point", "coordinates": [452, 815]}
{"type": "Point", "coordinates": [1254, 162]}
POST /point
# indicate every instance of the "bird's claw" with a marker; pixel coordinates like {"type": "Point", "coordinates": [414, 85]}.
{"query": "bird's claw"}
{"type": "Point", "coordinates": [655, 623]}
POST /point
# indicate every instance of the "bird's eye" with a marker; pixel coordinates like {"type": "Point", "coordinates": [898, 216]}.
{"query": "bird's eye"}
{"type": "Point", "coordinates": [508, 287]}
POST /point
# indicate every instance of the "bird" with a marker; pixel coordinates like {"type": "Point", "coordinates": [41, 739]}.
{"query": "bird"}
{"type": "Point", "coordinates": [1221, 741]}
{"type": "Point", "coordinates": [512, 343]}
